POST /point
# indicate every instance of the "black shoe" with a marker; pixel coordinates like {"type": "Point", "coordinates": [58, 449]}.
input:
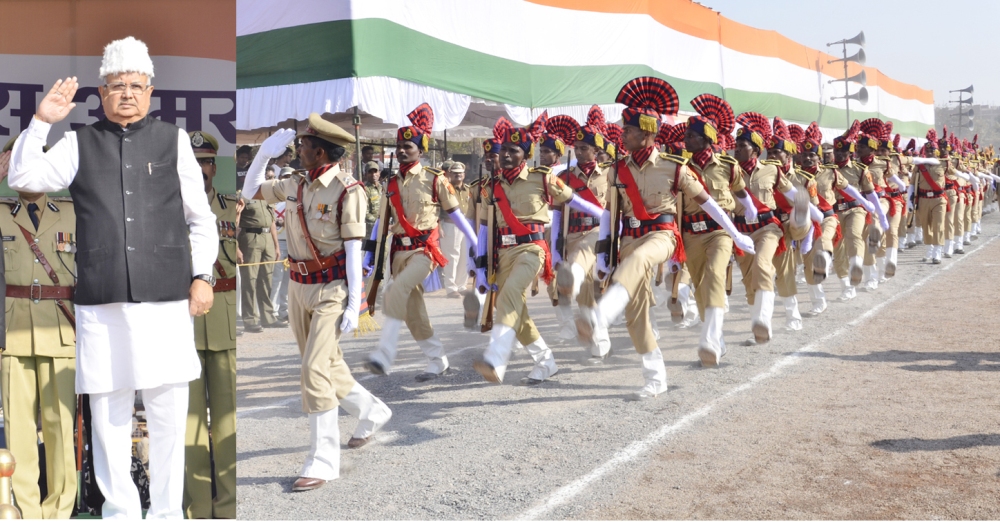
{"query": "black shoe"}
{"type": "Point", "coordinates": [253, 328]}
{"type": "Point", "coordinates": [428, 376]}
{"type": "Point", "coordinates": [276, 324]}
{"type": "Point", "coordinates": [374, 367]}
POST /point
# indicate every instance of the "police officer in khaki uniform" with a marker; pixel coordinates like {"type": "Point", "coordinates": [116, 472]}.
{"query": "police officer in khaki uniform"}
{"type": "Point", "coordinates": [39, 365]}
{"type": "Point", "coordinates": [414, 199]}
{"type": "Point", "coordinates": [932, 200]}
{"type": "Point", "coordinates": [215, 338]}
{"type": "Point", "coordinates": [325, 220]}
{"type": "Point", "coordinates": [455, 275]}
{"type": "Point", "coordinates": [258, 240]}
{"type": "Point", "coordinates": [650, 187]}
{"type": "Point", "coordinates": [520, 213]}
{"type": "Point", "coordinates": [590, 180]}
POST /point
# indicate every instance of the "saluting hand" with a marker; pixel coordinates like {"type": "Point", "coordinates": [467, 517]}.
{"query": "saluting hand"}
{"type": "Point", "coordinates": [58, 102]}
{"type": "Point", "coordinates": [200, 298]}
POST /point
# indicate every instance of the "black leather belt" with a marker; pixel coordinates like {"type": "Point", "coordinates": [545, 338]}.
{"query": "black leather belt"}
{"type": "Point", "coordinates": [760, 217]}
{"type": "Point", "coordinates": [931, 193]}
{"type": "Point", "coordinates": [847, 205]}
{"type": "Point", "coordinates": [828, 213]}
{"type": "Point", "coordinates": [584, 222]}
{"type": "Point", "coordinates": [252, 230]}
{"type": "Point", "coordinates": [639, 223]}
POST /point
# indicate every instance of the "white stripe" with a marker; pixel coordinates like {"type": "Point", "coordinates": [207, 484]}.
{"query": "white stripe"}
{"type": "Point", "coordinates": [634, 450]}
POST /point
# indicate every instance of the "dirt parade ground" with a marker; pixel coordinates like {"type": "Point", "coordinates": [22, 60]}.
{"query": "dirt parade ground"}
{"type": "Point", "coordinates": [883, 407]}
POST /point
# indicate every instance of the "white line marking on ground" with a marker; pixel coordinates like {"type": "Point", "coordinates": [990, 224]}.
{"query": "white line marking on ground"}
{"type": "Point", "coordinates": [633, 450]}
{"type": "Point", "coordinates": [291, 400]}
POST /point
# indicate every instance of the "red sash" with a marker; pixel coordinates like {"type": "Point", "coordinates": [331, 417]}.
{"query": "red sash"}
{"type": "Point", "coordinates": [433, 248]}
{"type": "Point", "coordinates": [639, 208]}
{"type": "Point", "coordinates": [520, 230]}
{"type": "Point", "coordinates": [579, 187]}
{"type": "Point", "coordinates": [927, 177]}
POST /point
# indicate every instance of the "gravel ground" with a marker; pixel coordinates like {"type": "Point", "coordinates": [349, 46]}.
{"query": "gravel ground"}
{"type": "Point", "coordinates": [883, 407]}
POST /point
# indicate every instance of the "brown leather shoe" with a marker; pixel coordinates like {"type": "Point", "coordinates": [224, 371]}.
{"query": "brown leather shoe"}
{"type": "Point", "coordinates": [307, 484]}
{"type": "Point", "coordinates": [357, 442]}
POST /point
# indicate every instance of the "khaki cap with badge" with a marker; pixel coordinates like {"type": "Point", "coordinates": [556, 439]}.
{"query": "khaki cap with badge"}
{"type": "Point", "coordinates": [371, 165]}
{"type": "Point", "coordinates": [204, 144]}
{"type": "Point", "coordinates": [457, 166]}
{"type": "Point", "coordinates": [326, 131]}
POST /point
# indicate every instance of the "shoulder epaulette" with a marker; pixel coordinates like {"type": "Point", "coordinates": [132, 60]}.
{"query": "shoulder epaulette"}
{"type": "Point", "coordinates": [9, 200]}
{"type": "Point", "coordinates": [830, 166]}
{"type": "Point", "coordinates": [805, 174]}
{"type": "Point", "coordinates": [15, 206]}
{"type": "Point", "coordinates": [680, 160]}
{"type": "Point", "coordinates": [436, 172]}
{"type": "Point", "coordinates": [541, 169]}
{"type": "Point", "coordinates": [727, 159]}
{"type": "Point", "coordinates": [346, 178]}
{"type": "Point", "coordinates": [859, 165]}
{"type": "Point", "coordinates": [61, 199]}
{"type": "Point", "coordinates": [52, 206]}
{"type": "Point", "coordinates": [769, 161]}
{"type": "Point", "coordinates": [606, 164]}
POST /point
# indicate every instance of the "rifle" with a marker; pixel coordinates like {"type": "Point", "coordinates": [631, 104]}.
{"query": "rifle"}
{"type": "Point", "coordinates": [486, 322]}
{"type": "Point", "coordinates": [615, 209]}
{"type": "Point", "coordinates": [378, 273]}
{"type": "Point", "coordinates": [563, 228]}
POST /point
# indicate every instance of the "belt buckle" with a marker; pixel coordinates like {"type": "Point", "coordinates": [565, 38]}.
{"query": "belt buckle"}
{"type": "Point", "coordinates": [929, 194]}
{"type": "Point", "coordinates": [587, 221]}
{"type": "Point", "coordinates": [508, 239]}
{"type": "Point", "coordinates": [634, 222]}
{"type": "Point", "coordinates": [301, 265]}
{"type": "Point", "coordinates": [754, 221]}
{"type": "Point", "coordinates": [31, 292]}
{"type": "Point", "coordinates": [405, 241]}
{"type": "Point", "coordinates": [699, 226]}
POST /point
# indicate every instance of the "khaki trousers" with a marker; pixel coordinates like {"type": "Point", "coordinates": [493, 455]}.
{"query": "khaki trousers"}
{"type": "Point", "coordinates": [580, 251]}
{"type": "Point", "coordinates": [404, 299]}
{"type": "Point", "coordinates": [949, 217]}
{"type": "Point", "coordinates": [707, 258]}
{"type": "Point", "coordinates": [958, 217]}
{"type": "Point", "coordinates": [869, 257]}
{"type": "Point", "coordinates": [785, 264]}
{"type": "Point", "coordinates": [454, 275]}
{"type": "Point", "coordinates": [255, 284]}
{"type": "Point", "coordinates": [890, 240]}
{"type": "Point", "coordinates": [516, 270]}
{"type": "Point", "coordinates": [314, 314]}
{"type": "Point", "coordinates": [828, 230]}
{"type": "Point", "coordinates": [931, 215]}
{"type": "Point", "coordinates": [639, 258]}
{"type": "Point", "coordinates": [970, 209]}
{"type": "Point", "coordinates": [218, 382]}
{"type": "Point", "coordinates": [758, 269]}
{"type": "Point", "coordinates": [852, 226]}
{"type": "Point", "coordinates": [30, 384]}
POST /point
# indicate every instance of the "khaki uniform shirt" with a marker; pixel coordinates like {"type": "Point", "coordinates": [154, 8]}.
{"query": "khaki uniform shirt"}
{"type": "Point", "coordinates": [38, 329]}
{"type": "Point", "coordinates": [879, 171]}
{"type": "Point", "coordinates": [424, 192]}
{"type": "Point", "coordinates": [900, 167]}
{"type": "Point", "coordinates": [257, 214]}
{"type": "Point", "coordinates": [219, 325]}
{"type": "Point", "coordinates": [761, 183]}
{"type": "Point", "coordinates": [527, 196]}
{"type": "Point", "coordinates": [938, 173]}
{"type": "Point", "coordinates": [655, 179]}
{"type": "Point", "coordinates": [828, 182]}
{"type": "Point", "coordinates": [464, 196]}
{"type": "Point", "coordinates": [722, 176]}
{"type": "Point", "coordinates": [857, 174]}
{"type": "Point", "coordinates": [320, 200]}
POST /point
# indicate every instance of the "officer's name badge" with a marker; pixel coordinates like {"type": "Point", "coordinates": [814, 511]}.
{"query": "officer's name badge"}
{"type": "Point", "coordinates": [323, 212]}
{"type": "Point", "coordinates": [65, 242]}
{"type": "Point", "coordinates": [8, 238]}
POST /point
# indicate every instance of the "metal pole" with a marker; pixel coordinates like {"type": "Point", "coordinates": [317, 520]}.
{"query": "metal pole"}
{"type": "Point", "coordinates": [847, 89]}
{"type": "Point", "coordinates": [357, 144]}
{"type": "Point", "coordinates": [446, 144]}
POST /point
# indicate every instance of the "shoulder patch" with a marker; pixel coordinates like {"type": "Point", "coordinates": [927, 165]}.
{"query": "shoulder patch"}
{"type": "Point", "coordinates": [606, 164]}
{"type": "Point", "coordinates": [805, 174]}
{"type": "Point", "coordinates": [15, 208]}
{"type": "Point", "coordinates": [436, 172]}
{"type": "Point", "coordinates": [859, 165]}
{"type": "Point", "coordinates": [52, 206]}
{"type": "Point", "coordinates": [61, 199]}
{"type": "Point", "coordinates": [346, 178]}
{"type": "Point", "coordinates": [770, 161]}
{"type": "Point", "coordinates": [829, 165]}
{"type": "Point", "coordinates": [727, 159]}
{"type": "Point", "coordinates": [540, 170]}
{"type": "Point", "coordinates": [680, 160]}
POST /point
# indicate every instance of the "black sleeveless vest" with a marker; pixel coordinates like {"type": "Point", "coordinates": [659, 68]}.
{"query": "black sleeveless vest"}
{"type": "Point", "coordinates": [132, 238]}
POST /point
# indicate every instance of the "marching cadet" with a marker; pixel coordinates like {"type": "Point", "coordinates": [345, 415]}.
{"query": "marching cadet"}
{"type": "Point", "coordinates": [39, 361]}
{"type": "Point", "coordinates": [767, 182]}
{"type": "Point", "coordinates": [258, 240]}
{"type": "Point", "coordinates": [325, 220]}
{"type": "Point", "coordinates": [873, 150]}
{"type": "Point", "coordinates": [708, 240]}
{"type": "Point", "coordinates": [518, 215]}
{"type": "Point", "coordinates": [653, 188]}
{"type": "Point", "coordinates": [852, 212]}
{"type": "Point", "coordinates": [416, 197]}
{"type": "Point", "coordinates": [215, 338]}
{"type": "Point", "coordinates": [932, 201]}
{"type": "Point", "coordinates": [589, 180]}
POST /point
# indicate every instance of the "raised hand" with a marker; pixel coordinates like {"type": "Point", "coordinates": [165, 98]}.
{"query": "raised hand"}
{"type": "Point", "coordinates": [275, 144]}
{"type": "Point", "coordinates": [57, 104]}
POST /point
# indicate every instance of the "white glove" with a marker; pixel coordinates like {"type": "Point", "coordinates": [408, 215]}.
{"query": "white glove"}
{"type": "Point", "coordinates": [272, 147]}
{"type": "Point", "coordinates": [742, 241]}
{"type": "Point", "coordinates": [481, 285]}
{"type": "Point", "coordinates": [673, 266]}
{"type": "Point", "coordinates": [354, 282]}
{"type": "Point", "coordinates": [926, 161]}
{"type": "Point", "coordinates": [556, 230]}
{"type": "Point", "coordinates": [749, 210]}
{"type": "Point", "coordinates": [602, 267]}
{"type": "Point", "coordinates": [806, 244]}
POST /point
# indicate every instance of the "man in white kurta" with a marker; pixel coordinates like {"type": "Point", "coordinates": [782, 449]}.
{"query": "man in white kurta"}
{"type": "Point", "coordinates": [123, 347]}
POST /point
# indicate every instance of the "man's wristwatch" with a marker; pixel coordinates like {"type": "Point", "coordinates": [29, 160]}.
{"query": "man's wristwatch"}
{"type": "Point", "coordinates": [208, 278]}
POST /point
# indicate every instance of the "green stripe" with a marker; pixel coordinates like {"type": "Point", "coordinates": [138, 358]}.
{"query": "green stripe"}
{"type": "Point", "coordinates": [378, 47]}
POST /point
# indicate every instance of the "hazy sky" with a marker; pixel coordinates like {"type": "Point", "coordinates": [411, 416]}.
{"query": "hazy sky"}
{"type": "Point", "coordinates": [939, 45]}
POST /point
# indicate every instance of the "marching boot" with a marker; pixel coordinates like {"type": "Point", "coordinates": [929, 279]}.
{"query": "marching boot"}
{"type": "Point", "coordinates": [967, 238]}
{"type": "Point", "coordinates": [594, 329]}
{"type": "Point", "coordinates": [754, 314]}
{"type": "Point", "coordinates": [761, 324]}
{"type": "Point", "coordinates": [381, 358]}
{"type": "Point", "coordinates": [949, 248]}
{"type": "Point", "coordinates": [890, 264]}
{"type": "Point", "coordinates": [653, 325]}
{"type": "Point", "coordinates": [371, 413]}
{"type": "Point", "coordinates": [793, 320]}
{"type": "Point", "coordinates": [957, 242]}
{"type": "Point", "coordinates": [493, 365]}
{"type": "Point", "coordinates": [847, 291]}
{"type": "Point", "coordinates": [545, 363]}
{"type": "Point", "coordinates": [936, 257]}
{"type": "Point", "coordinates": [818, 300]}
{"type": "Point", "coordinates": [857, 273]}
{"type": "Point", "coordinates": [564, 314]}
{"type": "Point", "coordinates": [437, 361]}
{"type": "Point", "coordinates": [880, 264]}
{"type": "Point", "coordinates": [473, 308]}
{"type": "Point", "coordinates": [685, 296]}
{"type": "Point", "coordinates": [822, 260]}
{"type": "Point", "coordinates": [711, 347]}
{"type": "Point", "coordinates": [600, 347]}
{"type": "Point", "coordinates": [930, 253]}
{"type": "Point", "coordinates": [655, 374]}
{"type": "Point", "coordinates": [323, 461]}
